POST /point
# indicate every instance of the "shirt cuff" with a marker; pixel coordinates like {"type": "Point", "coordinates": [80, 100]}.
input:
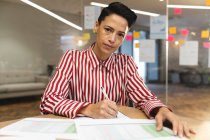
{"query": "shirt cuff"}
{"type": "Point", "coordinates": [82, 105]}
{"type": "Point", "coordinates": [150, 106]}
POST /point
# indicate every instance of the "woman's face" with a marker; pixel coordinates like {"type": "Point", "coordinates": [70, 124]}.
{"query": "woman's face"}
{"type": "Point", "coordinates": [110, 35]}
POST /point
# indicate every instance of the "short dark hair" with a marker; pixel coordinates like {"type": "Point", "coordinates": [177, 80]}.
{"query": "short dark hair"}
{"type": "Point", "coordinates": [119, 9]}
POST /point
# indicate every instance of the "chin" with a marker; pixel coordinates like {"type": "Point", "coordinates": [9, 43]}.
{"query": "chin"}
{"type": "Point", "coordinates": [107, 51]}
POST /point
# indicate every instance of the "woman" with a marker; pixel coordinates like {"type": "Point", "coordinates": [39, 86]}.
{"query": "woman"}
{"type": "Point", "coordinates": [75, 89]}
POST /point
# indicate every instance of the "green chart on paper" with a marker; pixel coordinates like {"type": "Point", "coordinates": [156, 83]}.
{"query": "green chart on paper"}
{"type": "Point", "coordinates": [151, 128]}
{"type": "Point", "coordinates": [71, 129]}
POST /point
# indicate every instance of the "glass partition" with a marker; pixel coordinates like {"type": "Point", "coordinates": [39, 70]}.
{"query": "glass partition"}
{"type": "Point", "coordinates": [188, 56]}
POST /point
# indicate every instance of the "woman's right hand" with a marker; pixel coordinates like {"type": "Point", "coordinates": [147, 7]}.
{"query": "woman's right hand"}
{"type": "Point", "coordinates": [105, 109]}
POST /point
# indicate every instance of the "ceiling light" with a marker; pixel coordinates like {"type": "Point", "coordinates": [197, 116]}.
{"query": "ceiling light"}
{"type": "Point", "coordinates": [188, 7]}
{"type": "Point", "coordinates": [51, 14]}
{"type": "Point", "coordinates": [98, 4]}
{"type": "Point", "coordinates": [136, 11]}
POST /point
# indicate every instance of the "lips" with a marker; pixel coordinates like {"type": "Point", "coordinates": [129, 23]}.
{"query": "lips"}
{"type": "Point", "coordinates": [109, 46]}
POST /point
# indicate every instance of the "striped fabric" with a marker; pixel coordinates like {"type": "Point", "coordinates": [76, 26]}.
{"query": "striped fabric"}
{"type": "Point", "coordinates": [79, 77]}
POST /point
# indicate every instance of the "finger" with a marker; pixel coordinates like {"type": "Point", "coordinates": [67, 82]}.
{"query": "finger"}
{"type": "Point", "coordinates": [109, 116]}
{"type": "Point", "coordinates": [180, 130]}
{"type": "Point", "coordinates": [107, 111]}
{"type": "Point", "coordinates": [104, 115]}
{"type": "Point", "coordinates": [175, 127]}
{"type": "Point", "coordinates": [112, 112]}
{"type": "Point", "coordinates": [159, 122]}
{"type": "Point", "coordinates": [186, 130]}
{"type": "Point", "coordinates": [113, 106]}
{"type": "Point", "coordinates": [112, 109]}
{"type": "Point", "coordinates": [192, 131]}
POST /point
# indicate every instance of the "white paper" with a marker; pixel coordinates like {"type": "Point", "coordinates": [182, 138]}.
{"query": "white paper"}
{"type": "Point", "coordinates": [119, 116]}
{"type": "Point", "coordinates": [91, 16]}
{"type": "Point", "coordinates": [147, 51]}
{"type": "Point", "coordinates": [188, 53]}
{"type": "Point", "coordinates": [209, 57]}
{"type": "Point", "coordinates": [122, 116]}
{"type": "Point", "coordinates": [42, 127]}
{"type": "Point", "coordinates": [122, 129]}
{"type": "Point", "coordinates": [25, 138]}
{"type": "Point", "coordinates": [158, 27]}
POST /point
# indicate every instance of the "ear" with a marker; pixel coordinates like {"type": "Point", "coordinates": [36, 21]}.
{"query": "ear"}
{"type": "Point", "coordinates": [95, 29]}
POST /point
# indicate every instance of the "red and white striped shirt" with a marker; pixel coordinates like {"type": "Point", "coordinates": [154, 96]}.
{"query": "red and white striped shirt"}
{"type": "Point", "coordinates": [79, 77]}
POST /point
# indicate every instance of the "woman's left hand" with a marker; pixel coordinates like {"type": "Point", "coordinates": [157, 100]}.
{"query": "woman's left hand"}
{"type": "Point", "coordinates": [179, 127]}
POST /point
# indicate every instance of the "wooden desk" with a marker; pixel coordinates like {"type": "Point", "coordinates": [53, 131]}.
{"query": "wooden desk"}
{"type": "Point", "coordinates": [202, 130]}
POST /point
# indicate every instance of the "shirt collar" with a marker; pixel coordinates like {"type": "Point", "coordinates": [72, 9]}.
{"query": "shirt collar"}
{"type": "Point", "coordinates": [94, 61]}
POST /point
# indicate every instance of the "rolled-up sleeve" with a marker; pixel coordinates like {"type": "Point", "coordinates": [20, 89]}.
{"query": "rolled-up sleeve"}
{"type": "Point", "coordinates": [138, 92]}
{"type": "Point", "coordinates": [56, 99]}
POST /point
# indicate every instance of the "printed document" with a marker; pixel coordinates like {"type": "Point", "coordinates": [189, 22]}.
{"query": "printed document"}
{"type": "Point", "coordinates": [42, 127]}
{"type": "Point", "coordinates": [86, 129]}
{"type": "Point", "coordinates": [122, 129]}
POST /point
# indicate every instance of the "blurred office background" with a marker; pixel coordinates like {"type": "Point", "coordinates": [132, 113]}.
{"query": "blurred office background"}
{"type": "Point", "coordinates": [33, 42]}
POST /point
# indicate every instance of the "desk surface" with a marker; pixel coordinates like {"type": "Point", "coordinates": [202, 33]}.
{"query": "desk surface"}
{"type": "Point", "coordinates": [202, 130]}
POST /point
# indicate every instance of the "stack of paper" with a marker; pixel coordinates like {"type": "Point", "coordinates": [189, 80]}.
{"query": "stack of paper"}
{"type": "Point", "coordinates": [85, 129]}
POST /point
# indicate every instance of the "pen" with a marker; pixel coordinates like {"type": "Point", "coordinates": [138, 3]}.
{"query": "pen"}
{"type": "Point", "coordinates": [119, 114]}
{"type": "Point", "coordinates": [104, 93]}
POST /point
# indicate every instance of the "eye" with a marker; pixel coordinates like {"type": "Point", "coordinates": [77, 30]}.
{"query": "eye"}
{"type": "Point", "coordinates": [108, 30]}
{"type": "Point", "coordinates": [121, 35]}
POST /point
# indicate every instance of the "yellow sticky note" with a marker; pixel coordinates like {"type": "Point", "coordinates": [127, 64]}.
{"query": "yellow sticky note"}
{"type": "Point", "coordinates": [172, 30]}
{"type": "Point", "coordinates": [86, 36]}
{"type": "Point", "coordinates": [181, 42]}
{"type": "Point", "coordinates": [137, 45]}
{"type": "Point", "coordinates": [208, 2]}
{"type": "Point", "coordinates": [136, 34]}
{"type": "Point", "coordinates": [205, 34]}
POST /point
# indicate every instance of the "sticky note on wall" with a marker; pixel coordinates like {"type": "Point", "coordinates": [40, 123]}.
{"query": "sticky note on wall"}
{"type": "Point", "coordinates": [136, 34]}
{"type": "Point", "coordinates": [129, 37]}
{"type": "Point", "coordinates": [205, 34]}
{"type": "Point", "coordinates": [207, 2]}
{"type": "Point", "coordinates": [177, 11]}
{"type": "Point", "coordinates": [184, 32]}
{"type": "Point", "coordinates": [86, 36]}
{"type": "Point", "coordinates": [181, 42]}
{"type": "Point", "coordinates": [137, 45]}
{"type": "Point", "coordinates": [171, 38]}
{"type": "Point", "coordinates": [172, 30]}
{"type": "Point", "coordinates": [206, 44]}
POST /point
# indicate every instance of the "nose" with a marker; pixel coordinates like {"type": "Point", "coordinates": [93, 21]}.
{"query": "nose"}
{"type": "Point", "coordinates": [112, 38]}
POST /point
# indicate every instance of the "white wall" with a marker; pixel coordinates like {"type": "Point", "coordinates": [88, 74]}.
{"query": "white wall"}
{"type": "Point", "coordinates": [30, 39]}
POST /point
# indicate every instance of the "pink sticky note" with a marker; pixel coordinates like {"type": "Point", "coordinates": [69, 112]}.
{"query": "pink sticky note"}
{"type": "Point", "coordinates": [206, 44]}
{"type": "Point", "coordinates": [184, 32]}
{"type": "Point", "coordinates": [171, 38]}
{"type": "Point", "coordinates": [177, 11]}
{"type": "Point", "coordinates": [129, 37]}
